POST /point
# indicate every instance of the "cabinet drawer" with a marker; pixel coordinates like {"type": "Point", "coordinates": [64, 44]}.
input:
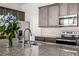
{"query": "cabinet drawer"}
{"type": "Point", "coordinates": [39, 38]}
{"type": "Point", "coordinates": [50, 40]}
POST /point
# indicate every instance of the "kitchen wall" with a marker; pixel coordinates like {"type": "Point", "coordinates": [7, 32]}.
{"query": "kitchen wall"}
{"type": "Point", "coordinates": [32, 15]}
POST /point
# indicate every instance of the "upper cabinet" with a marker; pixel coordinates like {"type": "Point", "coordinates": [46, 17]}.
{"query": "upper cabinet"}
{"type": "Point", "coordinates": [43, 16]}
{"type": "Point", "coordinates": [63, 9]}
{"type": "Point", "coordinates": [49, 16]}
{"type": "Point", "coordinates": [53, 13]}
{"type": "Point", "coordinates": [67, 9]}
{"type": "Point", "coordinates": [19, 14]}
{"type": "Point", "coordinates": [78, 13]}
{"type": "Point", "coordinates": [72, 8]}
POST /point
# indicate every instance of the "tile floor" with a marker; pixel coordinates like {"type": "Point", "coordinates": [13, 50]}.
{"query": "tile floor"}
{"type": "Point", "coordinates": [42, 49]}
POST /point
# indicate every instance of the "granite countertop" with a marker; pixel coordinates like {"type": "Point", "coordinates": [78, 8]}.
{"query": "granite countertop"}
{"type": "Point", "coordinates": [41, 49]}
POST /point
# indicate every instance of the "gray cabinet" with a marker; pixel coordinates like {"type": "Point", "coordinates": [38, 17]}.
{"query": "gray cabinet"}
{"type": "Point", "coordinates": [45, 39]}
{"type": "Point", "coordinates": [63, 9]}
{"type": "Point", "coordinates": [72, 8]}
{"type": "Point", "coordinates": [68, 9]}
{"type": "Point", "coordinates": [49, 15]}
{"type": "Point", "coordinates": [49, 39]}
{"type": "Point", "coordinates": [43, 16]}
{"type": "Point", "coordinates": [19, 14]}
{"type": "Point", "coordinates": [53, 13]}
{"type": "Point", "coordinates": [78, 13]}
{"type": "Point", "coordinates": [37, 38]}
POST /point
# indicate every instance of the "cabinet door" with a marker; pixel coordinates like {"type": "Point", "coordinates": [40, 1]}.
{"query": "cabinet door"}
{"type": "Point", "coordinates": [78, 13]}
{"type": "Point", "coordinates": [22, 16]}
{"type": "Point", "coordinates": [72, 8]}
{"type": "Point", "coordinates": [39, 38]}
{"type": "Point", "coordinates": [17, 15]}
{"type": "Point", "coordinates": [4, 11]}
{"type": "Point", "coordinates": [1, 11]}
{"type": "Point", "coordinates": [49, 39]}
{"type": "Point", "coordinates": [43, 16]}
{"type": "Point", "coordinates": [53, 15]}
{"type": "Point", "coordinates": [14, 12]}
{"type": "Point", "coordinates": [63, 9]}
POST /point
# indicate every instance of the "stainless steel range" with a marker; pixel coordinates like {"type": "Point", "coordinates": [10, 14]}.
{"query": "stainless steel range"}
{"type": "Point", "coordinates": [68, 38]}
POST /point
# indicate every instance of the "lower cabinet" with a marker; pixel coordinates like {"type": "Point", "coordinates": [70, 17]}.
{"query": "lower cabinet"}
{"type": "Point", "coordinates": [39, 38]}
{"type": "Point", "coordinates": [45, 39]}
{"type": "Point", "coordinates": [49, 39]}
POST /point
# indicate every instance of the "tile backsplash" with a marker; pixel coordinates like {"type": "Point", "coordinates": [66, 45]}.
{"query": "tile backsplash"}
{"type": "Point", "coordinates": [57, 32]}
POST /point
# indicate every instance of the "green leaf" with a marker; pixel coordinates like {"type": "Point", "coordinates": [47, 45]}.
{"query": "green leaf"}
{"type": "Point", "coordinates": [11, 30]}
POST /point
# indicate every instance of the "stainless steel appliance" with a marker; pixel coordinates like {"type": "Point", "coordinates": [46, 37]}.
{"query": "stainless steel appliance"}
{"type": "Point", "coordinates": [69, 20]}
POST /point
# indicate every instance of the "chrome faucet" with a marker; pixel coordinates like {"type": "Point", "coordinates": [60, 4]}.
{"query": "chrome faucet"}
{"type": "Point", "coordinates": [30, 35]}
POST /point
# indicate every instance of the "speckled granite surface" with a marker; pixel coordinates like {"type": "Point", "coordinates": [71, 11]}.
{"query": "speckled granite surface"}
{"type": "Point", "coordinates": [42, 49]}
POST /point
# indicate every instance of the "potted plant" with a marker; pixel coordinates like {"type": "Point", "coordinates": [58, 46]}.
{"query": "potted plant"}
{"type": "Point", "coordinates": [9, 27]}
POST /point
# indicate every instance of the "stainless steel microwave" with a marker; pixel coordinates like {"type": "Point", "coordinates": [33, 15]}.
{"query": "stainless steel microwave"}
{"type": "Point", "coordinates": [70, 20]}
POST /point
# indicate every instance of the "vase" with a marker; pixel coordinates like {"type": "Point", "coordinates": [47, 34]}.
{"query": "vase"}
{"type": "Point", "coordinates": [9, 42]}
